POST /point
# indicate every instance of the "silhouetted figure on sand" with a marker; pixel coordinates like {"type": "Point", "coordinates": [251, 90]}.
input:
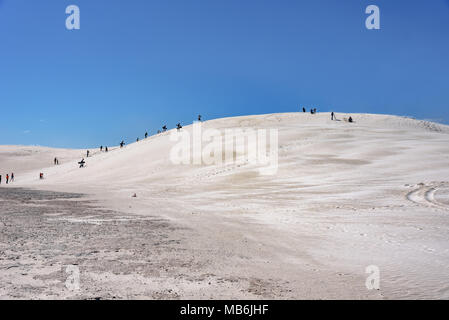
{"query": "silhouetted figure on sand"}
{"type": "Point", "coordinates": [350, 119]}
{"type": "Point", "coordinates": [199, 117]}
{"type": "Point", "coordinates": [82, 163]}
{"type": "Point", "coordinates": [87, 153]}
{"type": "Point", "coordinates": [164, 128]}
{"type": "Point", "coordinates": [146, 135]}
{"type": "Point", "coordinates": [178, 126]}
{"type": "Point", "coordinates": [41, 176]}
{"type": "Point", "coordinates": [303, 109]}
{"type": "Point", "coordinates": [106, 149]}
{"type": "Point", "coordinates": [122, 144]}
{"type": "Point", "coordinates": [7, 178]}
{"type": "Point", "coordinates": [101, 148]}
{"type": "Point", "coordinates": [137, 140]}
{"type": "Point", "coordinates": [332, 116]}
{"type": "Point", "coordinates": [12, 177]}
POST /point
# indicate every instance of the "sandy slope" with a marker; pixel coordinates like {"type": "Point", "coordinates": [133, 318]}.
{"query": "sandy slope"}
{"type": "Point", "coordinates": [346, 196]}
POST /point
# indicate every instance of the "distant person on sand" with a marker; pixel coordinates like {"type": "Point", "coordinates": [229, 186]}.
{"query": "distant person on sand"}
{"type": "Point", "coordinates": [164, 128]}
{"type": "Point", "coordinates": [303, 109]}
{"type": "Point", "coordinates": [199, 117]}
{"type": "Point", "coordinates": [122, 144]}
{"type": "Point", "coordinates": [178, 126]}
{"type": "Point", "coordinates": [311, 111]}
{"type": "Point", "coordinates": [88, 153]}
{"type": "Point", "coordinates": [146, 135]}
{"type": "Point", "coordinates": [0, 179]}
{"type": "Point", "coordinates": [81, 163]}
{"type": "Point", "coordinates": [101, 148]}
{"type": "Point", "coordinates": [350, 119]}
{"type": "Point", "coordinates": [106, 149]}
{"type": "Point", "coordinates": [137, 140]}
{"type": "Point", "coordinates": [332, 115]}
{"type": "Point", "coordinates": [41, 176]}
{"type": "Point", "coordinates": [12, 177]}
{"type": "Point", "coordinates": [7, 178]}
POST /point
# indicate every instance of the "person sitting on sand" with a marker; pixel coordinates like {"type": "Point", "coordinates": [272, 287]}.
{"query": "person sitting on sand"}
{"type": "Point", "coordinates": [350, 119]}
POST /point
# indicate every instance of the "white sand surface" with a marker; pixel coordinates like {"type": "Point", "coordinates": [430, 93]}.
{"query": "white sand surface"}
{"type": "Point", "coordinates": [345, 196]}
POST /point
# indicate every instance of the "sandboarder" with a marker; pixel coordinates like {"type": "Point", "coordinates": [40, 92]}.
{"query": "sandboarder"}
{"type": "Point", "coordinates": [82, 163]}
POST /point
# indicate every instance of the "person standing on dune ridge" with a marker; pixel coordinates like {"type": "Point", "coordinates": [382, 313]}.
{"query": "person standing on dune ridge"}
{"type": "Point", "coordinates": [7, 178]}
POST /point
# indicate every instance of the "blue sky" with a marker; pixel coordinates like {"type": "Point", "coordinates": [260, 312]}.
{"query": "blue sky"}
{"type": "Point", "coordinates": [136, 65]}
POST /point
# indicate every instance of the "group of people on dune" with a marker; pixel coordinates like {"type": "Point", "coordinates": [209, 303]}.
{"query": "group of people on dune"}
{"type": "Point", "coordinates": [8, 178]}
{"type": "Point", "coordinates": [122, 143]}
{"type": "Point", "coordinates": [333, 117]}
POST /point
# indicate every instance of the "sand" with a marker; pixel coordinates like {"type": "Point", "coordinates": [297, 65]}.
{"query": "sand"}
{"type": "Point", "coordinates": [345, 196]}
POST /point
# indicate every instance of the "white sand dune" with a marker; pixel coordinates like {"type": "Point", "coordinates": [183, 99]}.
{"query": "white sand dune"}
{"type": "Point", "coordinates": [345, 196]}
